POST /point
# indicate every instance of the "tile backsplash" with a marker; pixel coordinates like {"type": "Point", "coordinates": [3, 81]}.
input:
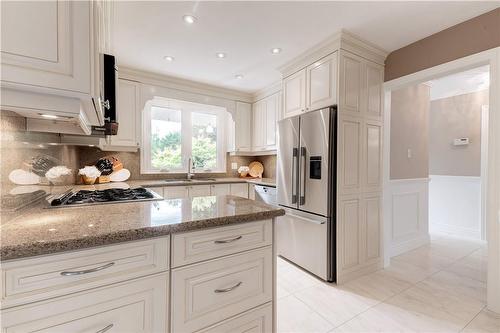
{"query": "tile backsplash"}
{"type": "Point", "coordinates": [19, 146]}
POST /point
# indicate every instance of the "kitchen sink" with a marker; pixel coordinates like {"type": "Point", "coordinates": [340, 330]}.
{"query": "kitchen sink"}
{"type": "Point", "coordinates": [190, 180]}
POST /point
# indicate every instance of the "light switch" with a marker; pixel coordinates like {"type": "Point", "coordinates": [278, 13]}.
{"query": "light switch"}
{"type": "Point", "coordinates": [409, 153]}
{"type": "Point", "coordinates": [234, 166]}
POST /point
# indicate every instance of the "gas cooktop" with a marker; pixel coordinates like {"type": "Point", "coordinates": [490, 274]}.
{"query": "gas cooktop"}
{"type": "Point", "coordinates": [112, 195]}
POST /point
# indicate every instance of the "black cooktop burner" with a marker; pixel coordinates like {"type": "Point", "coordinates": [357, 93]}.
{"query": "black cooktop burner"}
{"type": "Point", "coordinates": [85, 197]}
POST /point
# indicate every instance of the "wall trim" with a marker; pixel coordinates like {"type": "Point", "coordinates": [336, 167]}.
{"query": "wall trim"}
{"type": "Point", "coordinates": [410, 180]}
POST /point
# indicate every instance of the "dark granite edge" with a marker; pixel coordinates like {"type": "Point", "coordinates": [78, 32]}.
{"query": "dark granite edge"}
{"type": "Point", "coordinates": [29, 250]}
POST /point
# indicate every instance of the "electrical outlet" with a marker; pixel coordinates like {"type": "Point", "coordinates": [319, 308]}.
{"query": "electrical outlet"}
{"type": "Point", "coordinates": [409, 153]}
{"type": "Point", "coordinates": [234, 166]}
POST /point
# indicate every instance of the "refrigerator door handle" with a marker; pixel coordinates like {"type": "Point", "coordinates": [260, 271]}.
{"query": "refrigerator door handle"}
{"type": "Point", "coordinates": [295, 162]}
{"type": "Point", "coordinates": [303, 152]}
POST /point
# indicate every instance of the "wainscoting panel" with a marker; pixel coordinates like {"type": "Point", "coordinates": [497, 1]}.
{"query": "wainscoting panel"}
{"type": "Point", "coordinates": [406, 215]}
{"type": "Point", "coordinates": [455, 205]}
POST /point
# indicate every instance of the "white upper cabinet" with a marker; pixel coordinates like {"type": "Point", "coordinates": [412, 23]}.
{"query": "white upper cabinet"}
{"type": "Point", "coordinates": [265, 116]}
{"type": "Point", "coordinates": [272, 110]}
{"type": "Point", "coordinates": [42, 44]}
{"type": "Point", "coordinates": [351, 82]}
{"type": "Point", "coordinates": [53, 65]}
{"type": "Point", "coordinates": [322, 83]}
{"type": "Point", "coordinates": [374, 76]}
{"type": "Point", "coordinates": [243, 127]}
{"type": "Point", "coordinates": [311, 88]}
{"type": "Point", "coordinates": [294, 94]}
{"type": "Point", "coordinates": [259, 129]}
{"type": "Point", "coordinates": [127, 104]}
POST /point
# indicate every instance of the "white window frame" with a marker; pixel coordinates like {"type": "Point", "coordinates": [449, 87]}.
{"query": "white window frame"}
{"type": "Point", "coordinates": [186, 108]}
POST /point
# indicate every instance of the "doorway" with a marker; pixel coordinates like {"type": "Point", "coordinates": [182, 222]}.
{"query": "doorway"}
{"type": "Point", "coordinates": [413, 205]}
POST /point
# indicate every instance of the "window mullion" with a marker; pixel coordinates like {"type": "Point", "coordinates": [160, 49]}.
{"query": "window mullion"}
{"type": "Point", "coordinates": [186, 137]}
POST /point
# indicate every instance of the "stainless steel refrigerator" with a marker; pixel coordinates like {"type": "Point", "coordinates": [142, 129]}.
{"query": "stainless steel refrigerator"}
{"type": "Point", "coordinates": [306, 185]}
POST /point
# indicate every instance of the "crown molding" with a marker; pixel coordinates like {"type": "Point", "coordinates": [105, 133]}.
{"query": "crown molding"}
{"type": "Point", "coordinates": [341, 40]}
{"type": "Point", "coordinates": [267, 91]}
{"type": "Point", "coordinates": [182, 84]}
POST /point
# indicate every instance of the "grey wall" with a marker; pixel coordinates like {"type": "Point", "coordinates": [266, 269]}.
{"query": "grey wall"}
{"type": "Point", "coordinates": [456, 117]}
{"type": "Point", "coordinates": [409, 130]}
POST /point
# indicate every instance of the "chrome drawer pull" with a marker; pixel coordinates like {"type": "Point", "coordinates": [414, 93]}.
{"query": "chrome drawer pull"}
{"type": "Point", "coordinates": [225, 241]}
{"type": "Point", "coordinates": [105, 329]}
{"type": "Point", "coordinates": [225, 290]}
{"type": "Point", "coordinates": [91, 270]}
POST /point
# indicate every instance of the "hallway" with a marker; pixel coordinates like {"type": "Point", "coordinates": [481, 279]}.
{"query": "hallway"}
{"type": "Point", "coordinates": [440, 287]}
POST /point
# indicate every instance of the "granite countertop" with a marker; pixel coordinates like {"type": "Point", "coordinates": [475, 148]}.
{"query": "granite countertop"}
{"type": "Point", "coordinates": [39, 231]}
{"type": "Point", "coordinates": [201, 181]}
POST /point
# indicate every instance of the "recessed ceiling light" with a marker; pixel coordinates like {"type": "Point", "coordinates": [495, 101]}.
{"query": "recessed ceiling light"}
{"type": "Point", "coordinates": [239, 76]}
{"type": "Point", "coordinates": [221, 55]}
{"type": "Point", "coordinates": [275, 50]}
{"type": "Point", "coordinates": [49, 116]}
{"type": "Point", "coordinates": [169, 58]}
{"type": "Point", "coordinates": [189, 19]}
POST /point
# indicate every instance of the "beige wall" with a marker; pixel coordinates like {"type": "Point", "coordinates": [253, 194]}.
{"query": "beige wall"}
{"type": "Point", "coordinates": [409, 130]}
{"type": "Point", "coordinates": [475, 35]}
{"type": "Point", "coordinates": [456, 117]}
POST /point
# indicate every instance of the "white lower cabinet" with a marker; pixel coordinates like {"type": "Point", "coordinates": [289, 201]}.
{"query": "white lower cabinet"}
{"type": "Point", "coordinates": [240, 190]}
{"type": "Point", "coordinates": [220, 189]}
{"type": "Point", "coordinates": [259, 320]}
{"type": "Point", "coordinates": [209, 292]}
{"type": "Point", "coordinates": [175, 192]}
{"type": "Point", "coordinates": [135, 306]}
{"type": "Point", "coordinates": [199, 191]}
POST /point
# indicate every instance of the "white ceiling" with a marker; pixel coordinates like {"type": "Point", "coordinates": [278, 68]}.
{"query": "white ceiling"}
{"type": "Point", "coordinates": [465, 82]}
{"type": "Point", "coordinates": [145, 32]}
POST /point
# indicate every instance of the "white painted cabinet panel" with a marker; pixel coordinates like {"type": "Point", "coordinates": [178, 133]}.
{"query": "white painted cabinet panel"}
{"type": "Point", "coordinates": [322, 83]}
{"type": "Point", "coordinates": [135, 306]}
{"type": "Point", "coordinates": [54, 50]}
{"type": "Point", "coordinates": [294, 97]}
{"type": "Point", "coordinates": [373, 156]}
{"type": "Point", "coordinates": [175, 192]}
{"type": "Point", "coordinates": [61, 274]}
{"type": "Point", "coordinates": [220, 189]}
{"type": "Point", "coordinates": [199, 191]}
{"type": "Point", "coordinates": [243, 127]}
{"type": "Point", "coordinates": [272, 105]}
{"type": "Point", "coordinates": [259, 128]}
{"type": "Point", "coordinates": [372, 227]}
{"type": "Point", "coordinates": [351, 83]}
{"type": "Point", "coordinates": [349, 230]}
{"type": "Point", "coordinates": [374, 77]}
{"type": "Point", "coordinates": [240, 190]}
{"type": "Point", "coordinates": [126, 110]}
{"type": "Point", "coordinates": [206, 293]}
{"type": "Point", "coordinates": [196, 246]}
{"type": "Point", "coordinates": [259, 320]}
{"type": "Point", "coordinates": [349, 153]}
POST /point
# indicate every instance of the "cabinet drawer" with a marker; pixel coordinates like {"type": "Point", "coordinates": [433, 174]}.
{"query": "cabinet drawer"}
{"type": "Point", "coordinates": [196, 246]}
{"type": "Point", "coordinates": [207, 293]}
{"type": "Point", "coordinates": [44, 277]}
{"type": "Point", "coordinates": [259, 320]}
{"type": "Point", "coordinates": [137, 306]}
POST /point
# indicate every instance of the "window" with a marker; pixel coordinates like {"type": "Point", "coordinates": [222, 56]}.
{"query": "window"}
{"type": "Point", "coordinates": [174, 131]}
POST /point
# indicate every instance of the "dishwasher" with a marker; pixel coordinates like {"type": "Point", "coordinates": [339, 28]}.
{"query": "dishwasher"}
{"type": "Point", "coordinates": [266, 194]}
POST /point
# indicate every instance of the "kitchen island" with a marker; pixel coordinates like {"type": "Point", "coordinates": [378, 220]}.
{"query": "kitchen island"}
{"type": "Point", "coordinates": [179, 265]}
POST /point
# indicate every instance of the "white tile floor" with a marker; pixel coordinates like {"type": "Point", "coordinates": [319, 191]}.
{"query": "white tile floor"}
{"type": "Point", "coordinates": [440, 287]}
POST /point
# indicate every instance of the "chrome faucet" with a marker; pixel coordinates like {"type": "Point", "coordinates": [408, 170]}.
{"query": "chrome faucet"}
{"type": "Point", "coordinates": [190, 173]}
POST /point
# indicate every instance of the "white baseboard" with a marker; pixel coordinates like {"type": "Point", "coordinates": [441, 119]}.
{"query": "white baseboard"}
{"type": "Point", "coordinates": [455, 231]}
